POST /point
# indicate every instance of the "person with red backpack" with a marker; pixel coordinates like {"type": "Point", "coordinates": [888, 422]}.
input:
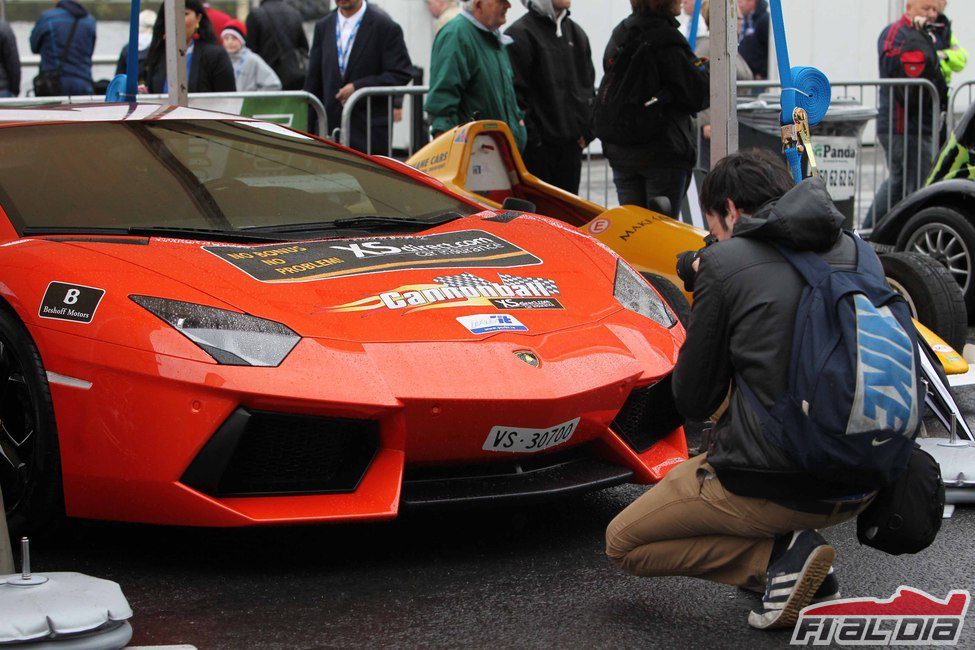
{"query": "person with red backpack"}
{"type": "Point", "coordinates": [907, 50]}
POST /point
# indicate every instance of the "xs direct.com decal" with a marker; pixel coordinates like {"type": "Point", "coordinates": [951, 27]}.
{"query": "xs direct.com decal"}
{"type": "Point", "coordinates": [71, 302]}
{"type": "Point", "coordinates": [336, 258]}
{"type": "Point", "coordinates": [463, 290]}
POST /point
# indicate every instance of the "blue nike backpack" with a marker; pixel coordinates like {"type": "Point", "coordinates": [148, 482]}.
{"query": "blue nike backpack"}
{"type": "Point", "coordinates": [854, 400]}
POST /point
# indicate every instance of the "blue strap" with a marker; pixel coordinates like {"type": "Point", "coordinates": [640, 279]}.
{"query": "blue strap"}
{"type": "Point", "coordinates": [802, 87]}
{"type": "Point", "coordinates": [132, 58]}
{"type": "Point", "coordinates": [695, 23]}
{"type": "Point", "coordinates": [782, 59]}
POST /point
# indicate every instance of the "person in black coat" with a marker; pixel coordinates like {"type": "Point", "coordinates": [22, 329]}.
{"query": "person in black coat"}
{"type": "Point", "coordinates": [554, 82]}
{"type": "Point", "coordinates": [659, 166]}
{"type": "Point", "coordinates": [275, 33]}
{"type": "Point", "coordinates": [208, 66]}
{"type": "Point", "coordinates": [369, 51]}
{"type": "Point", "coordinates": [9, 62]}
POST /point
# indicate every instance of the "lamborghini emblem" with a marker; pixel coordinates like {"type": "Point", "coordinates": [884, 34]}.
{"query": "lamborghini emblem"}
{"type": "Point", "coordinates": [528, 357]}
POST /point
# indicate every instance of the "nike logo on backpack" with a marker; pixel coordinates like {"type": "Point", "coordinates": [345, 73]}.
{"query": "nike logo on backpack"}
{"type": "Point", "coordinates": [877, 443]}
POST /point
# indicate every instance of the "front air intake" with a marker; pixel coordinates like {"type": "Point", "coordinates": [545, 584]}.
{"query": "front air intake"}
{"type": "Point", "coordinates": [258, 453]}
{"type": "Point", "coordinates": [648, 415]}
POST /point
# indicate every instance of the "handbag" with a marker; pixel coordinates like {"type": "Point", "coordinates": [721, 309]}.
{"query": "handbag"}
{"type": "Point", "coordinates": [905, 517]}
{"type": "Point", "coordinates": [48, 82]}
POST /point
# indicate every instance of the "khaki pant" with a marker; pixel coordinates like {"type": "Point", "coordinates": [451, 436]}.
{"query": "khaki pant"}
{"type": "Point", "coordinates": [689, 525]}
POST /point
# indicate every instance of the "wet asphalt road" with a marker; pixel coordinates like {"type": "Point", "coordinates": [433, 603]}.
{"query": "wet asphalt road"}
{"type": "Point", "coordinates": [515, 577]}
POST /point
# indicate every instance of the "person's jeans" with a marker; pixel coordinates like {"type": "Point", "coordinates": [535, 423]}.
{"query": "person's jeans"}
{"type": "Point", "coordinates": [638, 186]}
{"type": "Point", "coordinates": [904, 177]}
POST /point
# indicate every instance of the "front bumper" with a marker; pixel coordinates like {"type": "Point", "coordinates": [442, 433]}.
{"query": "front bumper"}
{"type": "Point", "coordinates": [132, 443]}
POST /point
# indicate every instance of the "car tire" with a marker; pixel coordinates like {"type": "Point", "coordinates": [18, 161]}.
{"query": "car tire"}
{"type": "Point", "coordinates": [932, 294]}
{"type": "Point", "coordinates": [947, 236]}
{"type": "Point", "coordinates": [673, 295]}
{"type": "Point", "coordinates": [30, 460]}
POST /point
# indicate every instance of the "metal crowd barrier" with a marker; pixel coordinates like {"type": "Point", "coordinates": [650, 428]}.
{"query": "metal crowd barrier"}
{"type": "Point", "coordinates": [344, 134]}
{"type": "Point", "coordinates": [872, 167]}
{"type": "Point", "coordinates": [201, 98]}
{"type": "Point", "coordinates": [955, 112]}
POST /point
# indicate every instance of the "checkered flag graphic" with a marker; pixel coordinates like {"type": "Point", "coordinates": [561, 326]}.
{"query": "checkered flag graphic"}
{"type": "Point", "coordinates": [550, 285]}
{"type": "Point", "coordinates": [462, 280]}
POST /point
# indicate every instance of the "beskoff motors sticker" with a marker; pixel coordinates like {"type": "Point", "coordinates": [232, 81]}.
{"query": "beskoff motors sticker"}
{"type": "Point", "coordinates": [489, 323]}
{"type": "Point", "coordinates": [336, 258]}
{"type": "Point", "coordinates": [71, 302]}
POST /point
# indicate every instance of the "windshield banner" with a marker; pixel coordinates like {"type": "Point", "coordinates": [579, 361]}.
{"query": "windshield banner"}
{"type": "Point", "coordinates": [336, 258]}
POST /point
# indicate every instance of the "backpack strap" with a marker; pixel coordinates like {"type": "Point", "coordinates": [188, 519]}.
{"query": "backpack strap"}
{"type": "Point", "coordinates": [813, 268]}
{"type": "Point", "coordinates": [67, 45]}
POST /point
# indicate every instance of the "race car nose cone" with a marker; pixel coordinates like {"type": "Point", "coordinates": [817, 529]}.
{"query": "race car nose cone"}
{"type": "Point", "coordinates": [529, 357]}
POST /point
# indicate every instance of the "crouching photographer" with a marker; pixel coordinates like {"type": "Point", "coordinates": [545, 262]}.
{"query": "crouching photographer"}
{"type": "Point", "coordinates": [745, 512]}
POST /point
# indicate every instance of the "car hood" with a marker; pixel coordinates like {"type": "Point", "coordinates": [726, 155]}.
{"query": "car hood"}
{"type": "Point", "coordinates": [472, 277]}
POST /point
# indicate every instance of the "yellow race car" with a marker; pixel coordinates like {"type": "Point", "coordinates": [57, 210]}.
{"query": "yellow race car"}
{"type": "Point", "coordinates": [480, 161]}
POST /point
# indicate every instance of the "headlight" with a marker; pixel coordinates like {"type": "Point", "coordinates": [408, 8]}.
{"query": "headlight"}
{"type": "Point", "coordinates": [633, 292]}
{"type": "Point", "coordinates": [229, 337]}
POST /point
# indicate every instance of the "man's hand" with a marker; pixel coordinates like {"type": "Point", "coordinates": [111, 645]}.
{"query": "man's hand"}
{"type": "Point", "coordinates": [707, 131]}
{"type": "Point", "coordinates": [344, 93]}
{"type": "Point", "coordinates": [397, 115]}
{"type": "Point", "coordinates": [688, 263]}
{"type": "Point", "coordinates": [582, 143]}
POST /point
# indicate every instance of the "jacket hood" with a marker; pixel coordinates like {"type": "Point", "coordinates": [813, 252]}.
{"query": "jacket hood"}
{"type": "Point", "coordinates": [666, 27]}
{"type": "Point", "coordinates": [545, 8]}
{"type": "Point", "coordinates": [804, 219]}
{"type": "Point", "coordinates": [73, 8]}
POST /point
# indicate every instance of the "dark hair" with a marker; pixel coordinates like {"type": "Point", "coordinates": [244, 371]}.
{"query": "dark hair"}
{"type": "Point", "coordinates": [157, 47]}
{"type": "Point", "coordinates": [749, 178]}
{"type": "Point", "coordinates": [650, 6]}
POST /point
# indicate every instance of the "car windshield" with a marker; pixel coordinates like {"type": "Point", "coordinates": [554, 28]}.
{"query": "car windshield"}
{"type": "Point", "coordinates": [201, 174]}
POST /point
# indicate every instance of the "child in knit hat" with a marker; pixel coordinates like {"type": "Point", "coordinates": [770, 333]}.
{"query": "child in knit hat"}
{"type": "Point", "coordinates": [250, 70]}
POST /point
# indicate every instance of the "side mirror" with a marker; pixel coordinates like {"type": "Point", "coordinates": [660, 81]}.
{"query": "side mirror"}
{"type": "Point", "coordinates": [519, 205]}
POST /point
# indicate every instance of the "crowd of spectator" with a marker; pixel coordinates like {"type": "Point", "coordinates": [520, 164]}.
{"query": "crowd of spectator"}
{"type": "Point", "coordinates": [537, 76]}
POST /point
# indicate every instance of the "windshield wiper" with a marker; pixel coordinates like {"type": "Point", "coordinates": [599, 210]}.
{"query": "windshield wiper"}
{"type": "Point", "coordinates": [152, 231]}
{"type": "Point", "coordinates": [365, 222]}
{"type": "Point", "coordinates": [199, 233]}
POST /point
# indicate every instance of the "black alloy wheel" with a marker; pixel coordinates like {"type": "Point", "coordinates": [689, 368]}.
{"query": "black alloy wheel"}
{"type": "Point", "coordinates": [934, 298]}
{"type": "Point", "coordinates": [947, 236]}
{"type": "Point", "coordinates": [30, 468]}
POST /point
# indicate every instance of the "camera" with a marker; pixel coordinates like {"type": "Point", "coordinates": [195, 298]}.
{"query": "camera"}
{"type": "Point", "coordinates": [685, 264]}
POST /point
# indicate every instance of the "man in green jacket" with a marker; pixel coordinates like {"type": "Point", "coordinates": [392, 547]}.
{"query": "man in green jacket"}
{"type": "Point", "coordinates": [470, 74]}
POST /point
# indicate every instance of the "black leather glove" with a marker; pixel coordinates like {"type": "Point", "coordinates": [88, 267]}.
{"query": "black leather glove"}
{"type": "Point", "coordinates": [685, 268]}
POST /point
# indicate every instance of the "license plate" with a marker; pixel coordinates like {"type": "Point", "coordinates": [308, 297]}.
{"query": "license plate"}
{"type": "Point", "coordinates": [523, 441]}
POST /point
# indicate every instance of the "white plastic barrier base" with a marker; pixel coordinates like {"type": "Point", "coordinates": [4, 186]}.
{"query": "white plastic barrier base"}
{"type": "Point", "coordinates": [68, 610]}
{"type": "Point", "coordinates": [957, 462]}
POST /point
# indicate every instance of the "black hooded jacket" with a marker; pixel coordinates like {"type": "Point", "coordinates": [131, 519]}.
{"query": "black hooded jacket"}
{"type": "Point", "coordinates": [554, 78]}
{"type": "Point", "coordinates": [685, 86]}
{"type": "Point", "coordinates": [745, 301]}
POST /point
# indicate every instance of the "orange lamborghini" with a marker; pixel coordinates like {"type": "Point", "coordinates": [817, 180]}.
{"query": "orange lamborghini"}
{"type": "Point", "coordinates": [215, 321]}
